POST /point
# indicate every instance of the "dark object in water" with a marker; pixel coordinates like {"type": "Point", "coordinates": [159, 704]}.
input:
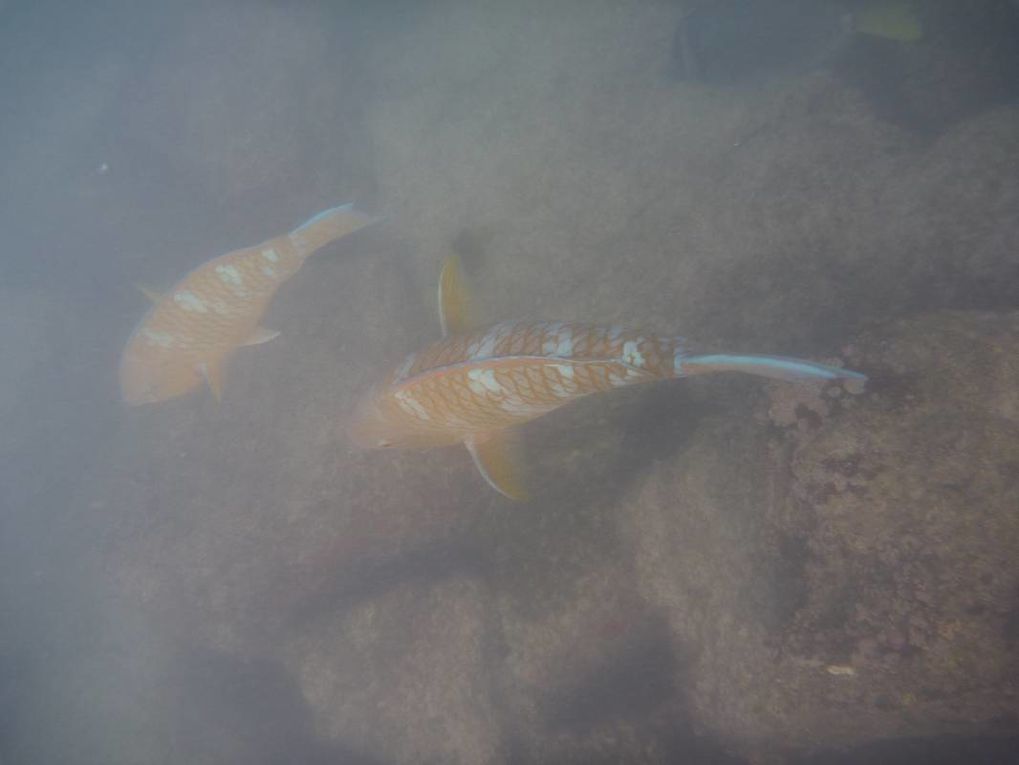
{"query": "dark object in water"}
{"type": "Point", "coordinates": [732, 41]}
{"type": "Point", "coordinates": [937, 750]}
{"type": "Point", "coordinates": [965, 64]}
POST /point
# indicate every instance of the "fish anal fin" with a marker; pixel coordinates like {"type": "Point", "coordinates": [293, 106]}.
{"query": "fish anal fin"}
{"type": "Point", "coordinates": [261, 335]}
{"type": "Point", "coordinates": [497, 457]}
{"type": "Point", "coordinates": [213, 374]}
{"type": "Point", "coordinates": [455, 304]}
{"type": "Point", "coordinates": [150, 293]}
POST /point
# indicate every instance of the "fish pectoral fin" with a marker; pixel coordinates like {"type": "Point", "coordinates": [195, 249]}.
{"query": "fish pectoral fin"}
{"type": "Point", "coordinates": [261, 335]}
{"type": "Point", "coordinates": [213, 374]}
{"type": "Point", "coordinates": [497, 457]}
{"type": "Point", "coordinates": [150, 293]}
{"type": "Point", "coordinates": [455, 304]}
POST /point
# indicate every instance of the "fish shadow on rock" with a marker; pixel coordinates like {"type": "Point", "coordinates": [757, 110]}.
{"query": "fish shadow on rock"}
{"type": "Point", "coordinates": [636, 685]}
{"type": "Point", "coordinates": [632, 682]}
{"type": "Point", "coordinates": [589, 454]}
{"type": "Point", "coordinates": [362, 580]}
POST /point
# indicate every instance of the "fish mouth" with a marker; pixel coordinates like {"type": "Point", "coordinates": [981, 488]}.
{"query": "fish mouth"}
{"type": "Point", "coordinates": [134, 393]}
{"type": "Point", "coordinates": [368, 427]}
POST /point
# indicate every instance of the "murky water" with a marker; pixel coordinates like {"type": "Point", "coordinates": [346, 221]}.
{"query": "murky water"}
{"type": "Point", "coordinates": [716, 570]}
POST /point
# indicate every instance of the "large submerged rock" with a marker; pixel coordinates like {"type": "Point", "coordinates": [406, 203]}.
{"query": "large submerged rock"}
{"type": "Point", "coordinates": [855, 578]}
{"type": "Point", "coordinates": [402, 677]}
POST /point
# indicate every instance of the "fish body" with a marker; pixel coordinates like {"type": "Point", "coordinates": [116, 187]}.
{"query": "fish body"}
{"type": "Point", "coordinates": [186, 338]}
{"type": "Point", "coordinates": [474, 386]}
{"type": "Point", "coordinates": [470, 384]}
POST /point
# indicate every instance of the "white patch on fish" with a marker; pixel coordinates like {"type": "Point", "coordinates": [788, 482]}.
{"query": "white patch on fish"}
{"type": "Point", "coordinates": [514, 405]}
{"type": "Point", "coordinates": [485, 348]}
{"type": "Point", "coordinates": [230, 275]}
{"type": "Point", "coordinates": [189, 301]}
{"type": "Point", "coordinates": [566, 388]}
{"type": "Point", "coordinates": [631, 353]}
{"type": "Point", "coordinates": [411, 405]}
{"type": "Point", "coordinates": [162, 339]}
{"type": "Point", "coordinates": [270, 255]}
{"type": "Point", "coordinates": [269, 271]}
{"type": "Point", "coordinates": [482, 382]}
{"type": "Point", "coordinates": [559, 342]}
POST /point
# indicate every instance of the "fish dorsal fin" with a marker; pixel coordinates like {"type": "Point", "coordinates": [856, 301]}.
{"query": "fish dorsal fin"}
{"type": "Point", "coordinates": [213, 374]}
{"type": "Point", "coordinates": [261, 335]}
{"type": "Point", "coordinates": [150, 293]}
{"type": "Point", "coordinates": [497, 457]}
{"type": "Point", "coordinates": [455, 310]}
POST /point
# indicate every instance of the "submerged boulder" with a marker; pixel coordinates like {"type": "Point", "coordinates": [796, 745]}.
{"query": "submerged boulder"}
{"type": "Point", "coordinates": [855, 578]}
{"type": "Point", "coordinates": [401, 677]}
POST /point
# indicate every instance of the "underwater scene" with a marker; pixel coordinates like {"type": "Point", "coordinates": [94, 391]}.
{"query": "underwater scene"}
{"type": "Point", "coordinates": [496, 382]}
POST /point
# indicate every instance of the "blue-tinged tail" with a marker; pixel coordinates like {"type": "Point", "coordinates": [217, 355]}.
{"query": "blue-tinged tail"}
{"type": "Point", "coordinates": [326, 227]}
{"type": "Point", "coordinates": [777, 367]}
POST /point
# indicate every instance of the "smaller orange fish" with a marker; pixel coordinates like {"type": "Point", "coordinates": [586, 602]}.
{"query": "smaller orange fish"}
{"type": "Point", "coordinates": [473, 386]}
{"type": "Point", "coordinates": [189, 334]}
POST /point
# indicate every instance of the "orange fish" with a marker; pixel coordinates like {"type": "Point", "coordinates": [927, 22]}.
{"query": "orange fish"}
{"type": "Point", "coordinates": [472, 387]}
{"type": "Point", "coordinates": [189, 334]}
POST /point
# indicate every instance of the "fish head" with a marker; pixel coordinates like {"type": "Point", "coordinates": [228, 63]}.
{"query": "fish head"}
{"type": "Point", "coordinates": [380, 423]}
{"type": "Point", "coordinates": [374, 426]}
{"type": "Point", "coordinates": [147, 377]}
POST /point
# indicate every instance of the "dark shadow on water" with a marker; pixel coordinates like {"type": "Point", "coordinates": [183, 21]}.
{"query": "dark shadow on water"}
{"type": "Point", "coordinates": [729, 42]}
{"type": "Point", "coordinates": [941, 750]}
{"type": "Point", "coordinates": [362, 580]}
{"type": "Point", "coordinates": [638, 679]}
{"type": "Point", "coordinates": [229, 710]}
{"type": "Point", "coordinates": [591, 454]}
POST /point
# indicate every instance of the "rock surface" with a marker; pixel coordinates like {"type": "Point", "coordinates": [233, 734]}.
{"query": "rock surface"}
{"type": "Point", "coordinates": [403, 677]}
{"type": "Point", "coordinates": [855, 579]}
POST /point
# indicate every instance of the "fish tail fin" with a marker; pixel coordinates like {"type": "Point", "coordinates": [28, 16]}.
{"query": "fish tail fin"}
{"type": "Point", "coordinates": [776, 367]}
{"type": "Point", "coordinates": [328, 226]}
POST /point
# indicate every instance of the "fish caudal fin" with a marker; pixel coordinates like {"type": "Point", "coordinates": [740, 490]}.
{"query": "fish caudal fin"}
{"type": "Point", "coordinates": [777, 367]}
{"type": "Point", "coordinates": [497, 458]}
{"type": "Point", "coordinates": [455, 304]}
{"type": "Point", "coordinates": [328, 226]}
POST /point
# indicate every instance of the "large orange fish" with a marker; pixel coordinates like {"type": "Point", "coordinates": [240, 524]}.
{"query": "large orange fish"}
{"type": "Point", "coordinates": [472, 386]}
{"type": "Point", "coordinates": [190, 332]}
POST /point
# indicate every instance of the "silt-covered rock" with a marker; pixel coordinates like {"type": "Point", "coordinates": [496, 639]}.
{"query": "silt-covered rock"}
{"type": "Point", "coordinates": [855, 578]}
